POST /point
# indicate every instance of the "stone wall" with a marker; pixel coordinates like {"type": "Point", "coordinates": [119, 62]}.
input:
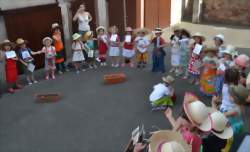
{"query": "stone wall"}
{"type": "Point", "coordinates": [226, 11]}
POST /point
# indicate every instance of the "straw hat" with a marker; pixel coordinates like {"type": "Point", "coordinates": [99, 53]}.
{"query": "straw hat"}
{"type": "Point", "coordinates": [220, 37]}
{"type": "Point", "coordinates": [128, 29]}
{"type": "Point", "coordinates": [76, 36]}
{"type": "Point", "coordinates": [55, 25]}
{"type": "Point", "coordinates": [113, 29]}
{"type": "Point", "coordinates": [230, 49]}
{"type": "Point", "coordinates": [168, 141]}
{"type": "Point", "coordinates": [21, 41]}
{"type": "Point", "coordinates": [169, 79]}
{"type": "Point", "coordinates": [220, 126]}
{"type": "Point", "coordinates": [197, 34]}
{"type": "Point", "coordinates": [158, 30]}
{"type": "Point", "coordinates": [7, 43]}
{"type": "Point", "coordinates": [47, 39]}
{"type": "Point", "coordinates": [242, 60]}
{"type": "Point", "coordinates": [239, 93]}
{"type": "Point", "coordinates": [176, 28]}
{"type": "Point", "coordinates": [197, 112]}
{"type": "Point", "coordinates": [88, 35]}
{"type": "Point", "coordinates": [142, 30]}
{"type": "Point", "coordinates": [100, 28]}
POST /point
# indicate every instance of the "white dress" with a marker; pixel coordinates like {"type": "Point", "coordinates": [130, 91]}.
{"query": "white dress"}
{"type": "Point", "coordinates": [114, 50]}
{"type": "Point", "coordinates": [83, 22]}
{"type": "Point", "coordinates": [175, 52]}
{"type": "Point", "coordinates": [78, 55]}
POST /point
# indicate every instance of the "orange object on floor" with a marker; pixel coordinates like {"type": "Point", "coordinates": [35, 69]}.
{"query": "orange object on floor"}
{"type": "Point", "coordinates": [114, 78]}
{"type": "Point", "coordinates": [47, 98]}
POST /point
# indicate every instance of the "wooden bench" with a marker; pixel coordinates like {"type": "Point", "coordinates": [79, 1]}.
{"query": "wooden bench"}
{"type": "Point", "coordinates": [114, 78]}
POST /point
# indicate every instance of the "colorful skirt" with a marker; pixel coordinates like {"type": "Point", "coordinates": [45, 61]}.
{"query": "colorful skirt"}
{"type": "Point", "coordinates": [207, 82]}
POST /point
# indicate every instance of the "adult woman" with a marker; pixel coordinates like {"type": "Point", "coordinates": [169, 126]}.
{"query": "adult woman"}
{"type": "Point", "coordinates": [83, 19]}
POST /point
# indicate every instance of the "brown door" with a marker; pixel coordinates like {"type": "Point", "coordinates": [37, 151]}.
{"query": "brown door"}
{"type": "Point", "coordinates": [90, 7]}
{"type": "Point", "coordinates": [157, 13]}
{"type": "Point", "coordinates": [131, 6]}
{"type": "Point", "coordinates": [32, 24]}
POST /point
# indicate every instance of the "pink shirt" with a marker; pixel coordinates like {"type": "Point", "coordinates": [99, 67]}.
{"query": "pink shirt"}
{"type": "Point", "coordinates": [191, 139]}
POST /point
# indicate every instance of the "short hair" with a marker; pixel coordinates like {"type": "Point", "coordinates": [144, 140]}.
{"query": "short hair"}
{"type": "Point", "coordinates": [232, 76]}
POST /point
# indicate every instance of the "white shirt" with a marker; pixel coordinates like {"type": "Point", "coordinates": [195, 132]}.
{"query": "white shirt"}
{"type": "Point", "coordinates": [83, 22]}
{"type": "Point", "coordinates": [160, 90]}
{"type": "Point", "coordinates": [227, 104]}
{"type": "Point", "coordinates": [141, 44]}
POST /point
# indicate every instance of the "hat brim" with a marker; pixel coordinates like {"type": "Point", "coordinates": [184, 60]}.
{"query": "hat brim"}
{"type": "Point", "coordinates": [146, 31]}
{"type": "Point", "coordinates": [206, 124]}
{"type": "Point", "coordinates": [24, 42]}
{"type": "Point", "coordinates": [202, 37]}
{"type": "Point", "coordinates": [11, 44]}
{"type": "Point", "coordinates": [76, 38]}
{"type": "Point", "coordinates": [166, 136]}
{"type": "Point", "coordinates": [166, 80]}
{"type": "Point", "coordinates": [51, 41]}
{"type": "Point", "coordinates": [100, 28]}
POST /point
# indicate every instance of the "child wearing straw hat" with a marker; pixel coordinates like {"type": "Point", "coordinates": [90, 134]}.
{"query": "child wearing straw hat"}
{"type": "Point", "coordinates": [219, 41]}
{"type": "Point", "coordinates": [25, 57]}
{"type": "Point", "coordinates": [57, 37]}
{"type": "Point", "coordinates": [50, 58]}
{"type": "Point", "coordinates": [195, 58]}
{"type": "Point", "coordinates": [114, 46]}
{"type": "Point", "coordinates": [11, 71]}
{"type": "Point", "coordinates": [90, 47]}
{"type": "Point", "coordinates": [141, 45]}
{"type": "Point", "coordinates": [161, 97]}
{"type": "Point", "coordinates": [158, 52]}
{"type": "Point", "coordinates": [77, 48]}
{"type": "Point", "coordinates": [102, 41]}
{"type": "Point", "coordinates": [128, 50]}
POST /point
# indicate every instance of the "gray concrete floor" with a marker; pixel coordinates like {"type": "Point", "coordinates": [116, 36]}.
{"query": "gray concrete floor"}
{"type": "Point", "coordinates": [91, 117]}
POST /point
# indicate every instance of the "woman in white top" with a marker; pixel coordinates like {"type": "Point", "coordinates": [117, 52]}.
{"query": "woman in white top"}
{"type": "Point", "coordinates": [83, 19]}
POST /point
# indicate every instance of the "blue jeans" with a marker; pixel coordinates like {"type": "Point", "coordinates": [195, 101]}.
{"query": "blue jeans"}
{"type": "Point", "coordinates": [158, 61]}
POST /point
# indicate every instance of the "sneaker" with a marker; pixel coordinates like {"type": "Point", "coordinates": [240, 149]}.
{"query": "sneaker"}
{"type": "Point", "coordinates": [104, 64]}
{"type": "Point", "coordinates": [91, 67]}
{"type": "Point", "coordinates": [53, 77]}
{"type": "Point", "coordinates": [11, 90]}
{"type": "Point", "coordinates": [77, 72]}
{"type": "Point", "coordinates": [116, 66]}
{"type": "Point", "coordinates": [67, 70]}
{"type": "Point", "coordinates": [98, 59]}
{"type": "Point", "coordinates": [112, 65]}
{"type": "Point", "coordinates": [123, 65]}
{"type": "Point", "coordinates": [47, 78]}
{"type": "Point", "coordinates": [131, 65]}
{"type": "Point", "coordinates": [35, 81]}
{"type": "Point", "coordinates": [83, 70]}
{"type": "Point", "coordinates": [172, 70]}
{"type": "Point", "coordinates": [18, 86]}
{"type": "Point", "coordinates": [30, 83]}
{"type": "Point", "coordinates": [185, 78]}
{"type": "Point", "coordinates": [60, 72]}
{"type": "Point", "coordinates": [95, 66]}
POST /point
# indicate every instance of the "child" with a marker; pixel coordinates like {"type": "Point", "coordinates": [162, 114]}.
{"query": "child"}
{"type": "Point", "coordinates": [90, 48]}
{"type": "Point", "coordinates": [50, 56]}
{"type": "Point", "coordinates": [184, 50]}
{"type": "Point", "coordinates": [128, 51]}
{"type": "Point", "coordinates": [57, 37]}
{"type": "Point", "coordinates": [241, 63]}
{"type": "Point", "coordinates": [194, 117]}
{"type": "Point", "coordinates": [141, 44]}
{"type": "Point", "coordinates": [161, 96]}
{"type": "Point", "coordinates": [114, 46]}
{"type": "Point", "coordinates": [10, 65]}
{"type": "Point", "coordinates": [175, 52]}
{"type": "Point", "coordinates": [224, 63]}
{"type": "Point", "coordinates": [218, 42]}
{"type": "Point", "coordinates": [158, 52]}
{"type": "Point", "coordinates": [25, 57]}
{"type": "Point", "coordinates": [77, 48]}
{"type": "Point", "coordinates": [102, 41]}
{"type": "Point", "coordinates": [209, 71]}
{"type": "Point", "coordinates": [195, 58]}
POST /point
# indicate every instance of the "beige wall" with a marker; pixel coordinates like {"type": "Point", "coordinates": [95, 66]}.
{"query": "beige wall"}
{"type": "Point", "coordinates": [13, 4]}
{"type": "Point", "coordinates": [227, 11]}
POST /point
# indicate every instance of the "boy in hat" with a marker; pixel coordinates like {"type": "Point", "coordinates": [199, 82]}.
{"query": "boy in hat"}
{"type": "Point", "coordinates": [161, 96]}
{"type": "Point", "coordinates": [57, 37]}
{"type": "Point", "coordinates": [25, 57]}
{"type": "Point", "coordinates": [10, 65]}
{"type": "Point", "coordinates": [219, 44]}
{"type": "Point", "coordinates": [141, 44]}
{"type": "Point", "coordinates": [158, 52]}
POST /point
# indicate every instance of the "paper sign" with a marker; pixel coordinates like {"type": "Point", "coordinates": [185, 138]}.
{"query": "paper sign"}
{"type": "Point", "coordinates": [197, 49]}
{"type": "Point", "coordinates": [26, 55]}
{"type": "Point", "coordinates": [31, 67]}
{"type": "Point", "coordinates": [128, 38]}
{"type": "Point", "coordinates": [135, 135]}
{"type": "Point", "coordinates": [10, 54]}
{"type": "Point", "coordinates": [113, 38]}
{"type": "Point", "coordinates": [91, 53]}
{"type": "Point", "coordinates": [222, 67]}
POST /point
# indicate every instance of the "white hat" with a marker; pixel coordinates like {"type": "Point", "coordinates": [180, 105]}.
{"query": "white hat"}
{"type": "Point", "coordinates": [220, 36]}
{"type": "Point", "coordinates": [168, 141]}
{"type": "Point", "coordinates": [220, 126]}
{"type": "Point", "coordinates": [55, 25]}
{"type": "Point", "coordinates": [197, 112]}
{"type": "Point", "coordinates": [47, 39]}
{"type": "Point", "coordinates": [197, 34]}
{"type": "Point", "coordinates": [7, 42]}
{"type": "Point", "coordinates": [76, 36]}
{"type": "Point", "coordinates": [230, 49]}
{"type": "Point", "coordinates": [158, 30]}
{"type": "Point", "coordinates": [128, 29]}
{"type": "Point", "coordinates": [100, 28]}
